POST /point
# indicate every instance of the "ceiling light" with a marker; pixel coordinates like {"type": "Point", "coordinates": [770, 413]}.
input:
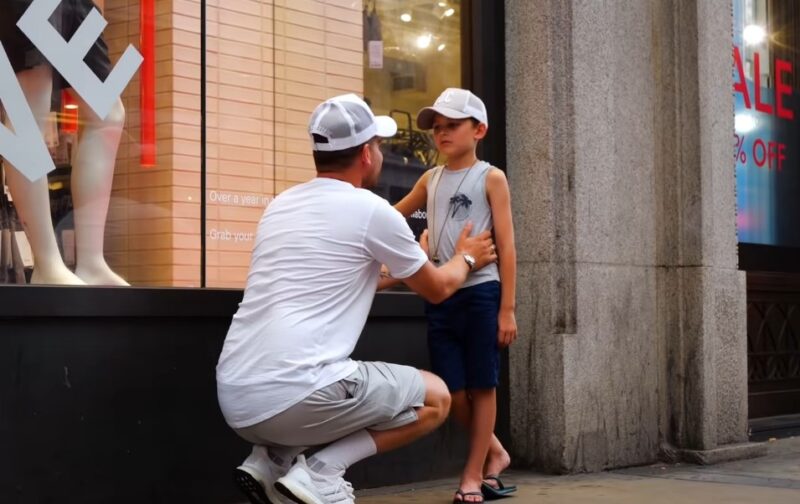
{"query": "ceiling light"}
{"type": "Point", "coordinates": [754, 34]}
{"type": "Point", "coordinates": [449, 12]}
{"type": "Point", "coordinates": [441, 47]}
{"type": "Point", "coordinates": [424, 41]}
{"type": "Point", "coordinates": [71, 106]}
{"type": "Point", "coordinates": [405, 17]}
{"type": "Point", "coordinates": [442, 4]}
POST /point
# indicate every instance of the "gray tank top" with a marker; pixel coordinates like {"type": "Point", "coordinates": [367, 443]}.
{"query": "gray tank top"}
{"type": "Point", "coordinates": [455, 197]}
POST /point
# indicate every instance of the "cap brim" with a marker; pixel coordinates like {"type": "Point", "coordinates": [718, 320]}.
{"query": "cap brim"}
{"type": "Point", "coordinates": [387, 127]}
{"type": "Point", "coordinates": [426, 116]}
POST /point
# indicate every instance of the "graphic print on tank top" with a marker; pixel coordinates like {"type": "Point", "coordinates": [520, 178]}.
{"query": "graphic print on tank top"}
{"type": "Point", "coordinates": [460, 207]}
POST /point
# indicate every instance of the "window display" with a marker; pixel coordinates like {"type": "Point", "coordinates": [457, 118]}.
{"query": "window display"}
{"type": "Point", "coordinates": [766, 137]}
{"type": "Point", "coordinates": [101, 145]}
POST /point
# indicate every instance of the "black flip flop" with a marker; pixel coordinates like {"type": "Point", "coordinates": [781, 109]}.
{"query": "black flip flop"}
{"type": "Point", "coordinates": [464, 494]}
{"type": "Point", "coordinates": [492, 493]}
{"type": "Point", "coordinates": [250, 487]}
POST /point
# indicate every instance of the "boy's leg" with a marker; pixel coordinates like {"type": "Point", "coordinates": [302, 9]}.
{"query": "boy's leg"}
{"type": "Point", "coordinates": [477, 407]}
{"type": "Point", "coordinates": [498, 459]}
{"type": "Point", "coordinates": [483, 407]}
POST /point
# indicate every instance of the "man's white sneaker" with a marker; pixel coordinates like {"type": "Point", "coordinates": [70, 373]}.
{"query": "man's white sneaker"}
{"type": "Point", "coordinates": [257, 475]}
{"type": "Point", "coordinates": [305, 486]}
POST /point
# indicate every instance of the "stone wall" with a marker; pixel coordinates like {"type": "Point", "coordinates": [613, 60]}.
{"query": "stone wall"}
{"type": "Point", "coordinates": [631, 308]}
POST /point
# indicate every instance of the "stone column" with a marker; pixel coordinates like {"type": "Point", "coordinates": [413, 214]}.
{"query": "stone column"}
{"type": "Point", "coordinates": [631, 308]}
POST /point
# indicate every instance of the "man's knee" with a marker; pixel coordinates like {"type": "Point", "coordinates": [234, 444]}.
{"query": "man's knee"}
{"type": "Point", "coordinates": [436, 395]}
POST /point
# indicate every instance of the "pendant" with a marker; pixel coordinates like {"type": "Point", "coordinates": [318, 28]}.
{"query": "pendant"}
{"type": "Point", "coordinates": [435, 259]}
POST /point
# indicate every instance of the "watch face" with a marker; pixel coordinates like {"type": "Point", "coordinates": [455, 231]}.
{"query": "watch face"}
{"type": "Point", "coordinates": [470, 260]}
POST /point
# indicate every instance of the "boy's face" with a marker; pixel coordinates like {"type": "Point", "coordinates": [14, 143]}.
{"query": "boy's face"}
{"type": "Point", "coordinates": [456, 137]}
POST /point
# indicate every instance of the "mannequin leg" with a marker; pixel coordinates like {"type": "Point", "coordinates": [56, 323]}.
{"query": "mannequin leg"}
{"type": "Point", "coordinates": [32, 199]}
{"type": "Point", "coordinates": [92, 178]}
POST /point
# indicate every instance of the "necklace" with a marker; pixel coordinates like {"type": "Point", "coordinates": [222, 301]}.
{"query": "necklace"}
{"type": "Point", "coordinates": [438, 240]}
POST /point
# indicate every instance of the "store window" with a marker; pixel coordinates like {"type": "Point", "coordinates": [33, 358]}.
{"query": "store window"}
{"type": "Point", "coordinates": [103, 184]}
{"type": "Point", "coordinates": [100, 152]}
{"type": "Point", "coordinates": [271, 64]}
{"type": "Point", "coordinates": [767, 137]}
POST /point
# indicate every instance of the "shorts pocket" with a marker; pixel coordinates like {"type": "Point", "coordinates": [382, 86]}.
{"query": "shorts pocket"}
{"type": "Point", "coordinates": [353, 385]}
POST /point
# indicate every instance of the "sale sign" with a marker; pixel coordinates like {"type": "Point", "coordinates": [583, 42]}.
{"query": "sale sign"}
{"type": "Point", "coordinates": [764, 152]}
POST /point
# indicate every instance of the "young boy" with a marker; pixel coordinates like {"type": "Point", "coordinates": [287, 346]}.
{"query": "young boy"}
{"type": "Point", "coordinates": [466, 332]}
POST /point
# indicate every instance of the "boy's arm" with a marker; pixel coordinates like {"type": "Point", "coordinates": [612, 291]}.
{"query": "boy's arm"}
{"type": "Point", "coordinates": [500, 202]}
{"type": "Point", "coordinates": [417, 198]}
{"type": "Point", "coordinates": [386, 280]}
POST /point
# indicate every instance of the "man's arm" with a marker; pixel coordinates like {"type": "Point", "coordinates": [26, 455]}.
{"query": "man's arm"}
{"type": "Point", "coordinates": [437, 284]}
{"type": "Point", "coordinates": [417, 198]}
{"type": "Point", "coordinates": [500, 202]}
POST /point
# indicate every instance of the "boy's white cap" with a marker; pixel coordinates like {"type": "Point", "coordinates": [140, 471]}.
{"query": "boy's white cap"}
{"type": "Point", "coordinates": [346, 121]}
{"type": "Point", "coordinates": [453, 103]}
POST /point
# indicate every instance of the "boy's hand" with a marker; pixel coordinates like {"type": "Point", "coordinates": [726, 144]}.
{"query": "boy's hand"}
{"type": "Point", "coordinates": [480, 246]}
{"type": "Point", "coordinates": [423, 242]}
{"type": "Point", "coordinates": [506, 328]}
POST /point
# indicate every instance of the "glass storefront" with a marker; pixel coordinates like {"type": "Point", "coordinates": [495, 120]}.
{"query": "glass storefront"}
{"type": "Point", "coordinates": [267, 65]}
{"type": "Point", "coordinates": [767, 137]}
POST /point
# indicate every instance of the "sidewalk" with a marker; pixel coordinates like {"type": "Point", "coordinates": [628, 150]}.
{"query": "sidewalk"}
{"type": "Point", "coordinates": [773, 479]}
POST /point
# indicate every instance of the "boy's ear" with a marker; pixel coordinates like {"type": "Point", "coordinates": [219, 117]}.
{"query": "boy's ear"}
{"type": "Point", "coordinates": [480, 131]}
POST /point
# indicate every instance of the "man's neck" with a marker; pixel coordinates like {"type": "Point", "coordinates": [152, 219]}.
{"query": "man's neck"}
{"type": "Point", "coordinates": [350, 176]}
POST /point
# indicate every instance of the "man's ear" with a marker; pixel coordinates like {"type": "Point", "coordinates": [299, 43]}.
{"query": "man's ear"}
{"type": "Point", "coordinates": [366, 155]}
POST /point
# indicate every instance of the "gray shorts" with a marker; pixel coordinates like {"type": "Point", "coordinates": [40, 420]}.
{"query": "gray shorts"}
{"type": "Point", "coordinates": [377, 396]}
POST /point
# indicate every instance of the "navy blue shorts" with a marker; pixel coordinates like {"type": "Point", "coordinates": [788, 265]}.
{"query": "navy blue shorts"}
{"type": "Point", "coordinates": [462, 337]}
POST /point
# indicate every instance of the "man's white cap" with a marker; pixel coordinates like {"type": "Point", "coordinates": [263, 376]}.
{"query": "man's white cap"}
{"type": "Point", "coordinates": [453, 103]}
{"type": "Point", "coordinates": [346, 121]}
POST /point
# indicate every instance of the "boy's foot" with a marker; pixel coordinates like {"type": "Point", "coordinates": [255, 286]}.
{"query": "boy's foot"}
{"type": "Point", "coordinates": [257, 475]}
{"type": "Point", "coordinates": [469, 490]}
{"type": "Point", "coordinates": [493, 488]}
{"type": "Point", "coordinates": [496, 463]}
{"type": "Point", "coordinates": [462, 496]}
{"type": "Point", "coordinates": [304, 486]}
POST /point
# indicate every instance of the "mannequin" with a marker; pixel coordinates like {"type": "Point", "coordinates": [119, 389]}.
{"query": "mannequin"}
{"type": "Point", "coordinates": [92, 168]}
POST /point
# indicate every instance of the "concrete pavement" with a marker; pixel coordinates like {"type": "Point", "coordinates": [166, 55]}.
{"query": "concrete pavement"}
{"type": "Point", "coordinates": [773, 479]}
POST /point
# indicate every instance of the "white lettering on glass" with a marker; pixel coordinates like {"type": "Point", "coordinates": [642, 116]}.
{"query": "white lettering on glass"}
{"type": "Point", "coordinates": [24, 147]}
{"type": "Point", "coordinates": [67, 57]}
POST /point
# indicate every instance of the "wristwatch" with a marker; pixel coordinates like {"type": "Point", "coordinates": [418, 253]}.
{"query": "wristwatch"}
{"type": "Point", "coordinates": [470, 261]}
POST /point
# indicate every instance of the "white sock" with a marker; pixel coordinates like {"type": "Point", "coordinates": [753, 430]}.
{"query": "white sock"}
{"type": "Point", "coordinates": [284, 455]}
{"type": "Point", "coordinates": [335, 458]}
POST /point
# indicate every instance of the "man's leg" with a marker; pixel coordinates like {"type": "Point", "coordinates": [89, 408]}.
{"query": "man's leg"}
{"type": "Point", "coordinates": [341, 454]}
{"type": "Point", "coordinates": [321, 478]}
{"type": "Point", "coordinates": [431, 416]}
{"type": "Point", "coordinates": [256, 476]}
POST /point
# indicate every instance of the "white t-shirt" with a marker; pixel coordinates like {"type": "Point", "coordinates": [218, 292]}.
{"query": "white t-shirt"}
{"type": "Point", "coordinates": [313, 275]}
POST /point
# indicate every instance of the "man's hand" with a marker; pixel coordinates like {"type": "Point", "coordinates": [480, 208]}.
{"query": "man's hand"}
{"type": "Point", "coordinates": [506, 328]}
{"type": "Point", "coordinates": [480, 246]}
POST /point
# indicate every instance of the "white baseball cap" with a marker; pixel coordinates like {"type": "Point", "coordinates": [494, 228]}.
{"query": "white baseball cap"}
{"type": "Point", "coordinates": [346, 121]}
{"type": "Point", "coordinates": [453, 103]}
